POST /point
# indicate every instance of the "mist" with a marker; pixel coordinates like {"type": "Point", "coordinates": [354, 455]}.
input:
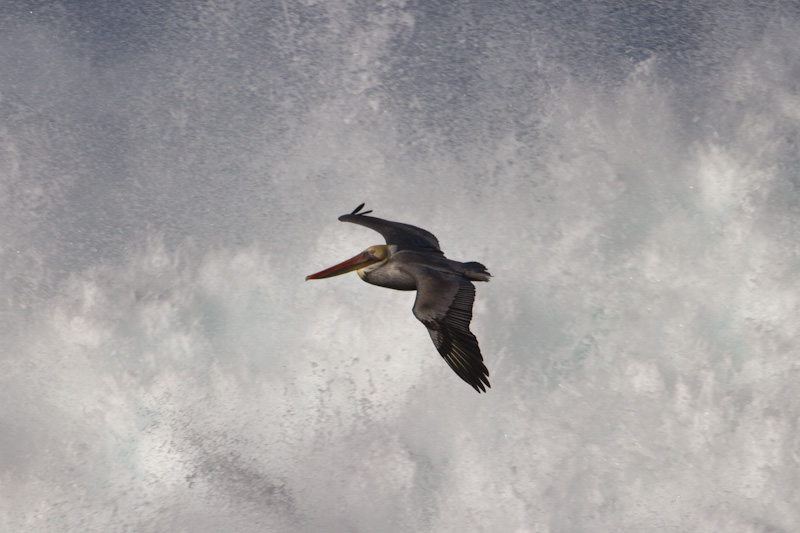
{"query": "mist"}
{"type": "Point", "coordinates": [170, 172]}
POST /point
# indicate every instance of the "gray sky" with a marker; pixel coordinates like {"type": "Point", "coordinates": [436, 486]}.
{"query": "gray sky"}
{"type": "Point", "coordinates": [170, 172]}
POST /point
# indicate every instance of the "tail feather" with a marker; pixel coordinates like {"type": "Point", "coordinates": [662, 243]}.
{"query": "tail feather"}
{"type": "Point", "coordinates": [475, 271]}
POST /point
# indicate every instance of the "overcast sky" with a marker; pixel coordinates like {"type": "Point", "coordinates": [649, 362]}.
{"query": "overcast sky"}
{"type": "Point", "coordinates": [171, 171]}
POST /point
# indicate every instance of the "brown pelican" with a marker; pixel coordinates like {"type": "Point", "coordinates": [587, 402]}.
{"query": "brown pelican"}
{"type": "Point", "coordinates": [411, 260]}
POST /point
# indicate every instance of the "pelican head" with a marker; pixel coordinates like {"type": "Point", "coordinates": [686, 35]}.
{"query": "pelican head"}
{"type": "Point", "coordinates": [370, 256]}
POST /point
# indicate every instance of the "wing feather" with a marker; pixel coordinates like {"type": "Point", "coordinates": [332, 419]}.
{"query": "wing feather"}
{"type": "Point", "coordinates": [396, 233]}
{"type": "Point", "coordinates": [444, 305]}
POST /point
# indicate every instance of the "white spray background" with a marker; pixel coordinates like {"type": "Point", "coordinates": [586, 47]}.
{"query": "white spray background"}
{"type": "Point", "coordinates": [170, 172]}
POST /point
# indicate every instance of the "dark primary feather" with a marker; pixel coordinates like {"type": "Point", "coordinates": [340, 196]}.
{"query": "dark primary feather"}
{"type": "Point", "coordinates": [395, 233]}
{"type": "Point", "coordinates": [444, 305]}
{"type": "Point", "coordinates": [359, 208]}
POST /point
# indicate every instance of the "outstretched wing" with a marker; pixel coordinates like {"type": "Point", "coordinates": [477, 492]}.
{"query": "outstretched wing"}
{"type": "Point", "coordinates": [394, 232]}
{"type": "Point", "coordinates": [444, 305]}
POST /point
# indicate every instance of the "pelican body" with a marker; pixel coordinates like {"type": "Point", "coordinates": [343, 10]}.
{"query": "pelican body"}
{"type": "Point", "coordinates": [412, 260]}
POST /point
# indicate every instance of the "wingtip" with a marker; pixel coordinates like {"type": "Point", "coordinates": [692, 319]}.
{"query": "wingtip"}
{"type": "Point", "coordinates": [349, 216]}
{"type": "Point", "coordinates": [357, 211]}
{"type": "Point", "coordinates": [480, 386]}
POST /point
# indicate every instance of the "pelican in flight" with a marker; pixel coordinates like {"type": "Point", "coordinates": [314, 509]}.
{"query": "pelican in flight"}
{"type": "Point", "coordinates": [412, 261]}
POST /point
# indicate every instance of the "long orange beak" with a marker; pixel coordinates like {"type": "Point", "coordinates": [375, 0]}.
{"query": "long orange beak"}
{"type": "Point", "coordinates": [354, 263]}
